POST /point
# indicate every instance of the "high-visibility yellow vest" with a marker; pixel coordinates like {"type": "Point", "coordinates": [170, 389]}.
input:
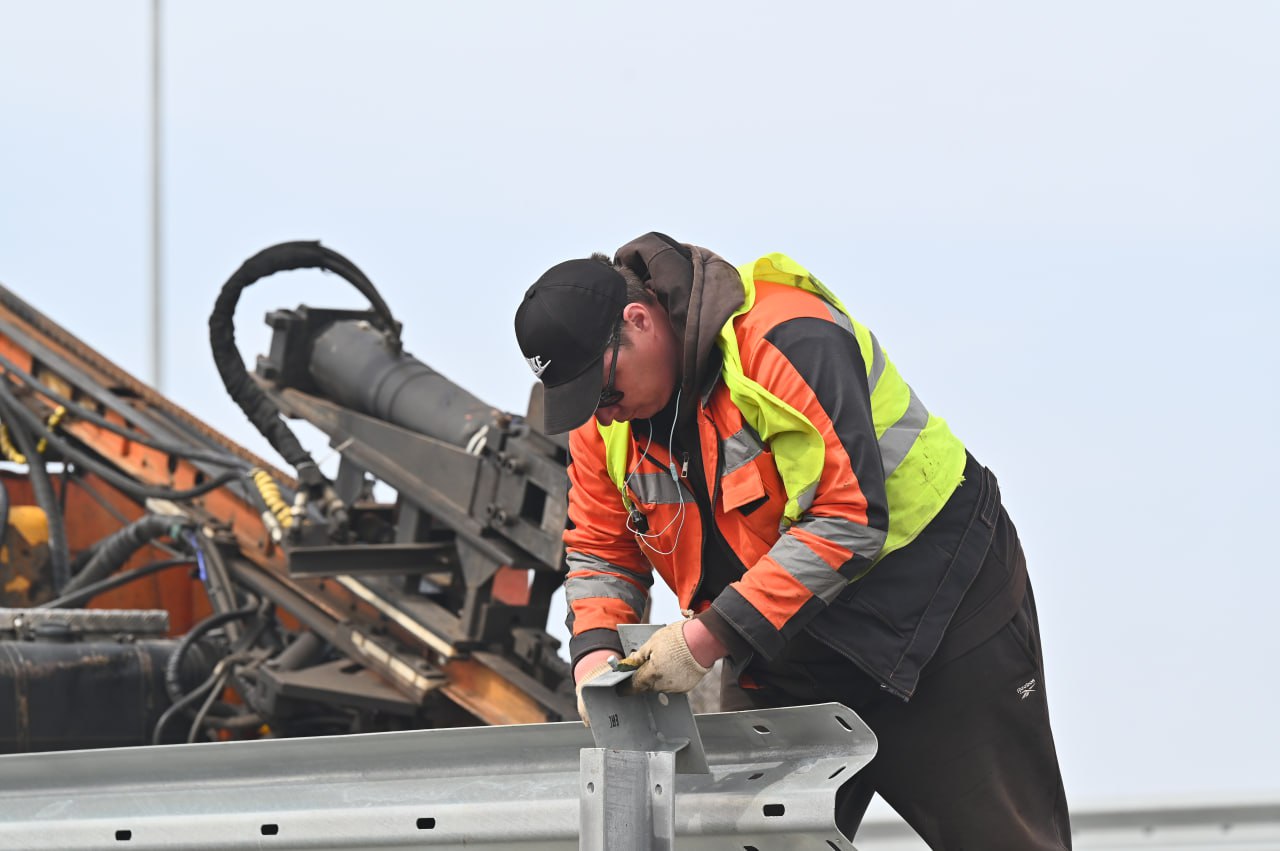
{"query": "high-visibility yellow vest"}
{"type": "Point", "coordinates": [923, 461]}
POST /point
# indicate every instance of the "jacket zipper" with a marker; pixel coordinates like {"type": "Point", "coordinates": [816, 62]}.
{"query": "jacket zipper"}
{"type": "Point", "coordinates": [715, 490]}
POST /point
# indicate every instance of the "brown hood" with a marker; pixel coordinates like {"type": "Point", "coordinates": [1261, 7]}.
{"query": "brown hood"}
{"type": "Point", "coordinates": [700, 290]}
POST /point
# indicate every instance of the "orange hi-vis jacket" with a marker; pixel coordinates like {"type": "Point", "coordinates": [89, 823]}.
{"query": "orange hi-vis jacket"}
{"type": "Point", "coordinates": [793, 569]}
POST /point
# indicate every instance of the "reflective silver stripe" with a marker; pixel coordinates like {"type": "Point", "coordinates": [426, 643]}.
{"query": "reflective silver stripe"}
{"type": "Point", "coordinates": [740, 448]}
{"type": "Point", "coordinates": [877, 354]}
{"type": "Point", "coordinates": [586, 561]}
{"type": "Point", "coordinates": [808, 568]}
{"type": "Point", "coordinates": [656, 488]}
{"type": "Point", "coordinates": [587, 587]}
{"type": "Point", "coordinates": [877, 363]}
{"type": "Point", "coordinates": [898, 438]}
{"type": "Point", "coordinates": [806, 499]}
{"type": "Point", "coordinates": [838, 317]}
{"type": "Point", "coordinates": [857, 538]}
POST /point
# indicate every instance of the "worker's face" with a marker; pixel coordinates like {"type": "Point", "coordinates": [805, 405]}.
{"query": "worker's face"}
{"type": "Point", "coordinates": [645, 372]}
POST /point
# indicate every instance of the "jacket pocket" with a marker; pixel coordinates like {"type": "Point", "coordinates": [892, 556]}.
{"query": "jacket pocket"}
{"type": "Point", "coordinates": [741, 487]}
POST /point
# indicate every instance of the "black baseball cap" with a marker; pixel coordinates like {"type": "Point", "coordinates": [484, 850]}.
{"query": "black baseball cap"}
{"type": "Point", "coordinates": [564, 325]}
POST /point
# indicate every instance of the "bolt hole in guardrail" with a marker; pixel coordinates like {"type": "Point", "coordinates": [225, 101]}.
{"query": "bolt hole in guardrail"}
{"type": "Point", "coordinates": [124, 835]}
{"type": "Point", "coordinates": [270, 829]}
{"type": "Point", "coordinates": [835, 773]}
{"type": "Point", "coordinates": [428, 823]}
{"type": "Point", "coordinates": [761, 729]}
{"type": "Point", "coordinates": [657, 790]}
{"type": "Point", "coordinates": [774, 810]}
{"type": "Point", "coordinates": [755, 776]}
{"type": "Point", "coordinates": [844, 723]}
{"type": "Point", "coordinates": [833, 845]}
{"type": "Point", "coordinates": [591, 788]}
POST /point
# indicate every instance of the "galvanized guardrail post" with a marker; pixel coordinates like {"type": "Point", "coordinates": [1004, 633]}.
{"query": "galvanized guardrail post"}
{"type": "Point", "coordinates": [642, 742]}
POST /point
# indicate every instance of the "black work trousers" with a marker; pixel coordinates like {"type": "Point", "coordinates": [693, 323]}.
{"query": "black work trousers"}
{"type": "Point", "coordinates": [969, 762]}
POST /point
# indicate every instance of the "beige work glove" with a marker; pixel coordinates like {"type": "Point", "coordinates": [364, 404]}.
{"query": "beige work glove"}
{"type": "Point", "coordinates": [586, 678]}
{"type": "Point", "coordinates": [664, 663]}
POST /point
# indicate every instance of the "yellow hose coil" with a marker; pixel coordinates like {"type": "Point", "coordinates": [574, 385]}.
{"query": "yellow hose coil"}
{"type": "Point", "coordinates": [10, 451]}
{"type": "Point", "coordinates": [271, 495]}
{"type": "Point", "coordinates": [54, 418]}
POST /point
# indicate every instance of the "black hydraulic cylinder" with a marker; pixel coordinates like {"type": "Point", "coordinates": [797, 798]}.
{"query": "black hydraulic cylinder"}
{"type": "Point", "coordinates": [71, 695]}
{"type": "Point", "coordinates": [354, 365]}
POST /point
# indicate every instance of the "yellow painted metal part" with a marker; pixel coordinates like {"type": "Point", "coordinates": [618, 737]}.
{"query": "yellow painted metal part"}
{"type": "Point", "coordinates": [24, 556]}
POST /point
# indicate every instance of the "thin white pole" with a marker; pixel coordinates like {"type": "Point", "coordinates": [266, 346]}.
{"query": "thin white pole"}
{"type": "Point", "coordinates": [157, 288]}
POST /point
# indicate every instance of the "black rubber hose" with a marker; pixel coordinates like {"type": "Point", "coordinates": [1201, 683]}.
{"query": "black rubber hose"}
{"type": "Point", "coordinates": [104, 471]}
{"type": "Point", "coordinates": [42, 488]}
{"type": "Point", "coordinates": [88, 592]}
{"type": "Point", "coordinates": [218, 675]}
{"type": "Point", "coordinates": [260, 410]}
{"type": "Point", "coordinates": [183, 702]}
{"type": "Point", "coordinates": [81, 412]}
{"type": "Point", "coordinates": [117, 549]}
{"type": "Point", "coordinates": [80, 559]}
{"type": "Point", "coordinates": [173, 668]}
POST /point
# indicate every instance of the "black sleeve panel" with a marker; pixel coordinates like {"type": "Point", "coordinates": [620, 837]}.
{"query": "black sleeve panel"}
{"type": "Point", "coordinates": [827, 357]}
{"type": "Point", "coordinates": [569, 525]}
{"type": "Point", "coordinates": [594, 639]}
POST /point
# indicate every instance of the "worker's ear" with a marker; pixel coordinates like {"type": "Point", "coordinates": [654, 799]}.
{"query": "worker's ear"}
{"type": "Point", "coordinates": [640, 317]}
{"type": "Point", "coordinates": [658, 259]}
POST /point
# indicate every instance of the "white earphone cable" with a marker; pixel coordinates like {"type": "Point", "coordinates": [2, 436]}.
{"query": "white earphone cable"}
{"type": "Point", "coordinates": [644, 537]}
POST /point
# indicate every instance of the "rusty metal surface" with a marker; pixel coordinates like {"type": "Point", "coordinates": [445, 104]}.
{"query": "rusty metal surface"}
{"type": "Point", "coordinates": [83, 624]}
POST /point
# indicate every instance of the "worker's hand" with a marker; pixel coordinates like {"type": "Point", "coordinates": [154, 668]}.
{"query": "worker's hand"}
{"type": "Point", "coordinates": [665, 663]}
{"type": "Point", "coordinates": [588, 668]}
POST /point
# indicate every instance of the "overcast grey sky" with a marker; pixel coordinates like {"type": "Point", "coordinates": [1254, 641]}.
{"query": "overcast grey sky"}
{"type": "Point", "coordinates": [1062, 221]}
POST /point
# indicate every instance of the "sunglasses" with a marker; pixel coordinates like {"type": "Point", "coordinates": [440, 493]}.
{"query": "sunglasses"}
{"type": "Point", "coordinates": [610, 395]}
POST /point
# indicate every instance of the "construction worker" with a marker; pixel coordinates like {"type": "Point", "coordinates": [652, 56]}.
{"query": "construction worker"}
{"type": "Point", "coordinates": [740, 433]}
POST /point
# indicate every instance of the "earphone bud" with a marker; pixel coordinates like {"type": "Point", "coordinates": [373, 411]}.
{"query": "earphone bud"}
{"type": "Point", "coordinates": [637, 523]}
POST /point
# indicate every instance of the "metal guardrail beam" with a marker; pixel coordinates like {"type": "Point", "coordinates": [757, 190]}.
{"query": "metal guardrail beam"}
{"type": "Point", "coordinates": [772, 783]}
{"type": "Point", "coordinates": [1182, 824]}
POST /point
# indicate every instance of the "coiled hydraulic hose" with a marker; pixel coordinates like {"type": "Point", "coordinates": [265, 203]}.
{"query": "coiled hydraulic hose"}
{"type": "Point", "coordinates": [260, 410]}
